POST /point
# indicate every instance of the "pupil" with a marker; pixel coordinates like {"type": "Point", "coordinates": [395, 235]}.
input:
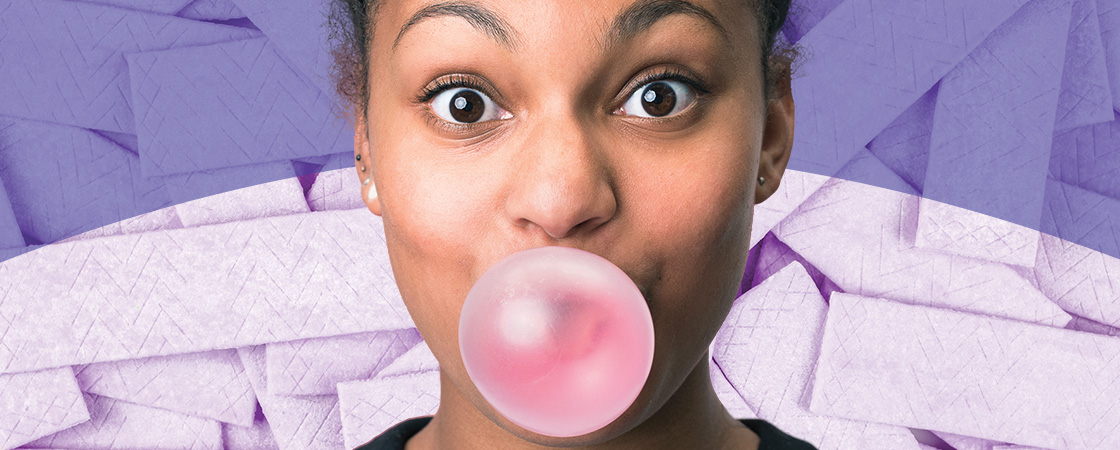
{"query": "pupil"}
{"type": "Point", "coordinates": [467, 106]}
{"type": "Point", "coordinates": [659, 99]}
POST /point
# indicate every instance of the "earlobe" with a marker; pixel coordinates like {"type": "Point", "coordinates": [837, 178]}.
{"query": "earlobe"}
{"type": "Point", "coordinates": [777, 140]}
{"type": "Point", "coordinates": [369, 196]}
{"type": "Point", "coordinates": [363, 163]}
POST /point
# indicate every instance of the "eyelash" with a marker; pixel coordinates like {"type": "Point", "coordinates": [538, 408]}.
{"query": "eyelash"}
{"type": "Point", "coordinates": [451, 82]}
{"type": "Point", "coordinates": [670, 74]}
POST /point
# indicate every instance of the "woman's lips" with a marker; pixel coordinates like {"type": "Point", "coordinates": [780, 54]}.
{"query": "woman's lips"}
{"type": "Point", "coordinates": [643, 277]}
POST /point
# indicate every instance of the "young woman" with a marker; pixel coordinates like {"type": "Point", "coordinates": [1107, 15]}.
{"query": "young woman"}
{"type": "Point", "coordinates": [643, 131]}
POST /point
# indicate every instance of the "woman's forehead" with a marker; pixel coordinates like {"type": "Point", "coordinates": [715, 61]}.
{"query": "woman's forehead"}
{"type": "Point", "coordinates": [607, 22]}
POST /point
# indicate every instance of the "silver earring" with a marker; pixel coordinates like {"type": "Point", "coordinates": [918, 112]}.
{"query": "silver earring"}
{"type": "Point", "coordinates": [761, 180]}
{"type": "Point", "coordinates": [365, 182]}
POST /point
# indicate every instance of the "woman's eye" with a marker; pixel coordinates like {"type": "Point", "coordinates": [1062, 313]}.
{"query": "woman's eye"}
{"type": "Point", "coordinates": [660, 99]}
{"type": "Point", "coordinates": [465, 105]}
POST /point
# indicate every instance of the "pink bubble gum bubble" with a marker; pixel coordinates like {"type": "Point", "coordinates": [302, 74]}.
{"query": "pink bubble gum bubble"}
{"type": "Point", "coordinates": [558, 340]}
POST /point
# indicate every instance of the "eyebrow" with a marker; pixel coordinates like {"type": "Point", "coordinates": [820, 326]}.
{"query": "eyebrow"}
{"type": "Point", "coordinates": [636, 19]}
{"type": "Point", "coordinates": [641, 16]}
{"type": "Point", "coordinates": [477, 16]}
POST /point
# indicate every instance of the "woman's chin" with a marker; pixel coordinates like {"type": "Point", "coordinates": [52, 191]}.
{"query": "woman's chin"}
{"type": "Point", "coordinates": [629, 419]}
{"type": "Point", "coordinates": [599, 436]}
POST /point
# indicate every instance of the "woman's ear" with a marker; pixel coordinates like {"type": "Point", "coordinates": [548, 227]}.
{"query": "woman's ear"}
{"type": "Point", "coordinates": [363, 162]}
{"type": "Point", "coordinates": [777, 138]}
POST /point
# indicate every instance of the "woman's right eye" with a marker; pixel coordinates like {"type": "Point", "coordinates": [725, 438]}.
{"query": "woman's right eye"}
{"type": "Point", "coordinates": [466, 106]}
{"type": "Point", "coordinates": [661, 98]}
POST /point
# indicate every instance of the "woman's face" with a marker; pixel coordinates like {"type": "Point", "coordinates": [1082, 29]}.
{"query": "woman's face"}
{"type": "Point", "coordinates": [631, 129]}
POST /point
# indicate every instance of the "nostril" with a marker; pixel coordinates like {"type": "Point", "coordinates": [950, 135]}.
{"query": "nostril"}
{"type": "Point", "coordinates": [588, 224]}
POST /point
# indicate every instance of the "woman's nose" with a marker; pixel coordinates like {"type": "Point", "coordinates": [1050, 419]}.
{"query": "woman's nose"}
{"type": "Point", "coordinates": [562, 182]}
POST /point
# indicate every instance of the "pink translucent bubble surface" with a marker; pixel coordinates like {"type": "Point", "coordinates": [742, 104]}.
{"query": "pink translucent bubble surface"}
{"type": "Point", "coordinates": [558, 340]}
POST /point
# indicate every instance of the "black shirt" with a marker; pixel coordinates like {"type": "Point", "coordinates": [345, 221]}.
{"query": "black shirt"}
{"type": "Point", "coordinates": [771, 437]}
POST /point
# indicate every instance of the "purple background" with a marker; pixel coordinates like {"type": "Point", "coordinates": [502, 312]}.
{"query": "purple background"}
{"type": "Point", "coordinates": [106, 111]}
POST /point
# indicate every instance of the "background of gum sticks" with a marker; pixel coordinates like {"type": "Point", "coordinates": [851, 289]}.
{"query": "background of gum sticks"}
{"type": "Point", "coordinates": [125, 336]}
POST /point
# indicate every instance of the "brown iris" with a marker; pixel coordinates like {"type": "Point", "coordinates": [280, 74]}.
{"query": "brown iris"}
{"type": "Point", "coordinates": [659, 99]}
{"type": "Point", "coordinates": [467, 106]}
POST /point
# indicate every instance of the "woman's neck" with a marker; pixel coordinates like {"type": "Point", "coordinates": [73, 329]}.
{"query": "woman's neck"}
{"type": "Point", "coordinates": [693, 417]}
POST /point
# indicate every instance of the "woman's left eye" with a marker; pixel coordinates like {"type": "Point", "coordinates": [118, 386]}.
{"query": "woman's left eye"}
{"type": "Point", "coordinates": [661, 98]}
{"type": "Point", "coordinates": [466, 106]}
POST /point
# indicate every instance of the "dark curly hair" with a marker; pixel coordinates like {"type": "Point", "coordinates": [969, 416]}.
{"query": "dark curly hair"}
{"type": "Point", "coordinates": [349, 23]}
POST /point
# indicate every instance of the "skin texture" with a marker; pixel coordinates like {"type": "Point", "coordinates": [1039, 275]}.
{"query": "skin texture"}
{"type": "Point", "coordinates": [667, 200]}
